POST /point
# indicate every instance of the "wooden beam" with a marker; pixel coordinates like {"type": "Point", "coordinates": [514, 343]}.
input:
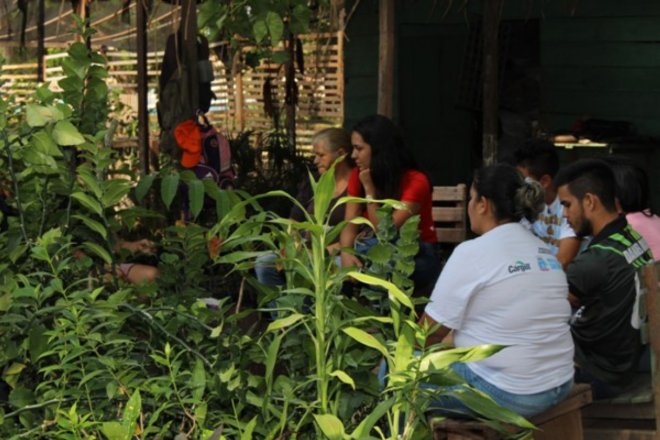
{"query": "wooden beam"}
{"type": "Point", "coordinates": [490, 27]}
{"type": "Point", "coordinates": [386, 58]}
{"type": "Point", "coordinates": [189, 31]}
{"type": "Point", "coordinates": [41, 35]}
{"type": "Point", "coordinates": [142, 86]}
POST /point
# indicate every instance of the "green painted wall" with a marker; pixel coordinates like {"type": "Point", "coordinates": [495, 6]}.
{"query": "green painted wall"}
{"type": "Point", "coordinates": [601, 58]}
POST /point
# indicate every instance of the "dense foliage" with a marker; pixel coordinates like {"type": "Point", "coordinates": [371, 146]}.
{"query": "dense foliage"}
{"type": "Point", "coordinates": [89, 356]}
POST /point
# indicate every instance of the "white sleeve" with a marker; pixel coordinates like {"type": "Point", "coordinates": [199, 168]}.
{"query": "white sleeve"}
{"type": "Point", "coordinates": [526, 223]}
{"type": "Point", "coordinates": [565, 230]}
{"type": "Point", "coordinates": [457, 283]}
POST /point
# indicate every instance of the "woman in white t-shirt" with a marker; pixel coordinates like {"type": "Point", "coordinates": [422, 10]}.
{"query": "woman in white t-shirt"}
{"type": "Point", "coordinates": [505, 287]}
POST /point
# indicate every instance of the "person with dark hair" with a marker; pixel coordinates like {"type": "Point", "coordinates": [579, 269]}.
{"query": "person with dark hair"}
{"type": "Point", "coordinates": [386, 169]}
{"type": "Point", "coordinates": [505, 287]}
{"type": "Point", "coordinates": [537, 159]}
{"type": "Point", "coordinates": [601, 279]}
{"type": "Point", "coordinates": [632, 193]}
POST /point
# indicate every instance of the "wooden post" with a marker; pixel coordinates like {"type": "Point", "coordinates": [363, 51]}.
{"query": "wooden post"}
{"type": "Point", "coordinates": [189, 32]}
{"type": "Point", "coordinates": [237, 73]}
{"type": "Point", "coordinates": [490, 26]}
{"type": "Point", "coordinates": [142, 86]}
{"type": "Point", "coordinates": [386, 57]}
{"type": "Point", "coordinates": [41, 34]}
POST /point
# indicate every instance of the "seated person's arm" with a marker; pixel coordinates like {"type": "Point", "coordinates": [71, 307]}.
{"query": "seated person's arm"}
{"type": "Point", "coordinates": [568, 249]}
{"type": "Point", "coordinates": [437, 336]}
{"type": "Point", "coordinates": [348, 234]}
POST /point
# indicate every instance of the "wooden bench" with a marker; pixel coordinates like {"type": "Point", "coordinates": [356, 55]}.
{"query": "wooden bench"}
{"type": "Point", "coordinates": [635, 414]}
{"type": "Point", "coordinates": [561, 422]}
{"type": "Point", "coordinates": [449, 213]}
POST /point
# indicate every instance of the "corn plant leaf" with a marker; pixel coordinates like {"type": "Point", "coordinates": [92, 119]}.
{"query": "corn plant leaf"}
{"type": "Point", "coordinates": [393, 290]}
{"type": "Point", "coordinates": [88, 202]}
{"type": "Point", "coordinates": [92, 224]}
{"type": "Point", "coordinates": [196, 197]}
{"type": "Point", "coordinates": [249, 429]}
{"type": "Point", "coordinates": [331, 426]}
{"type": "Point", "coordinates": [284, 322]}
{"type": "Point", "coordinates": [366, 425]}
{"type": "Point", "coordinates": [344, 377]}
{"type": "Point", "coordinates": [365, 338]}
{"type": "Point", "coordinates": [168, 188]}
{"type": "Point", "coordinates": [66, 134]}
{"type": "Point", "coordinates": [484, 405]}
{"type": "Point", "coordinates": [444, 358]}
{"type": "Point", "coordinates": [271, 358]}
{"type": "Point", "coordinates": [143, 186]}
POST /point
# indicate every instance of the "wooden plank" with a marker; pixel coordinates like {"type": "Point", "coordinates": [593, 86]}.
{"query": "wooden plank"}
{"type": "Point", "coordinates": [490, 106]}
{"type": "Point", "coordinates": [595, 54]}
{"type": "Point", "coordinates": [386, 10]}
{"type": "Point", "coordinates": [603, 104]}
{"type": "Point", "coordinates": [448, 214]}
{"type": "Point", "coordinates": [602, 410]}
{"type": "Point", "coordinates": [618, 78]}
{"type": "Point", "coordinates": [643, 28]}
{"type": "Point", "coordinates": [449, 193]}
{"type": "Point", "coordinates": [450, 235]}
{"type": "Point", "coordinates": [579, 396]}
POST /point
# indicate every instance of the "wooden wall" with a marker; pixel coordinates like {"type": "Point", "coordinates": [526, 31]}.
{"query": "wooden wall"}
{"type": "Point", "coordinates": [604, 61]}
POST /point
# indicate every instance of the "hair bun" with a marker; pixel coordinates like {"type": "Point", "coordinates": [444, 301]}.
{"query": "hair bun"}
{"type": "Point", "coordinates": [529, 199]}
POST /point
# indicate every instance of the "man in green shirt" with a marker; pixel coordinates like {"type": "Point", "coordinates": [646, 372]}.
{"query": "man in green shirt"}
{"type": "Point", "coordinates": [601, 280]}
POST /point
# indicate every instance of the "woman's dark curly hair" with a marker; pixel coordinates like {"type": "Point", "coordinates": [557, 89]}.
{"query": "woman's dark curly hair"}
{"type": "Point", "coordinates": [390, 157]}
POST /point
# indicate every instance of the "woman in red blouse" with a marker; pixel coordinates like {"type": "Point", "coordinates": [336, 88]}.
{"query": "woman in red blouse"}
{"type": "Point", "coordinates": [386, 169]}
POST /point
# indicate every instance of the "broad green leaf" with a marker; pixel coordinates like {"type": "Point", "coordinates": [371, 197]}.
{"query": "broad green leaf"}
{"type": "Point", "coordinates": [20, 397]}
{"type": "Point", "coordinates": [38, 342]}
{"type": "Point", "coordinates": [90, 181]}
{"type": "Point", "coordinates": [92, 224]}
{"type": "Point", "coordinates": [113, 191]}
{"type": "Point", "coordinates": [168, 188]}
{"type": "Point", "coordinates": [98, 251]}
{"type": "Point", "coordinates": [131, 413]}
{"type": "Point", "coordinates": [196, 197]}
{"type": "Point", "coordinates": [114, 431]}
{"type": "Point", "coordinates": [88, 202]}
{"type": "Point", "coordinates": [198, 381]}
{"type": "Point", "coordinates": [37, 115]}
{"type": "Point", "coordinates": [275, 26]}
{"type": "Point", "coordinates": [66, 134]}
{"type": "Point", "coordinates": [284, 322]}
{"type": "Point", "coordinates": [5, 302]}
{"type": "Point", "coordinates": [44, 144]}
{"type": "Point", "coordinates": [344, 377]}
{"type": "Point", "coordinates": [249, 429]}
{"type": "Point", "coordinates": [259, 30]}
{"type": "Point", "coordinates": [393, 290]}
{"type": "Point", "coordinates": [12, 372]}
{"type": "Point", "coordinates": [363, 429]}
{"type": "Point", "coordinates": [331, 426]}
{"type": "Point", "coordinates": [366, 339]}
{"type": "Point", "coordinates": [444, 358]}
{"type": "Point", "coordinates": [143, 186]}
